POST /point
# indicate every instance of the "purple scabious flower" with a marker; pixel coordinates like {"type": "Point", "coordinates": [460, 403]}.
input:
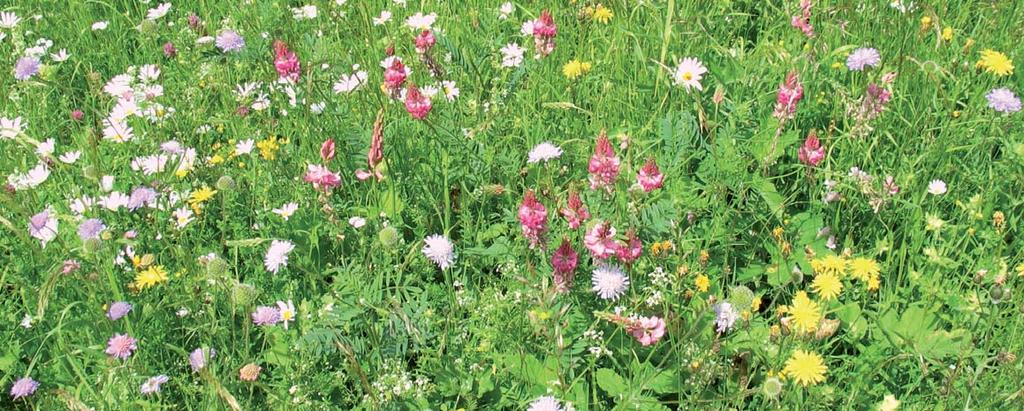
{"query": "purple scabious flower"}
{"type": "Point", "coordinates": [1003, 100]}
{"type": "Point", "coordinates": [118, 309]}
{"type": "Point", "coordinates": [91, 228]}
{"type": "Point", "coordinates": [26, 67]}
{"type": "Point", "coordinates": [24, 387]}
{"type": "Point", "coordinates": [862, 58]}
{"type": "Point", "coordinates": [725, 317]}
{"type": "Point", "coordinates": [152, 385]}
{"type": "Point", "coordinates": [230, 40]}
{"type": "Point", "coordinates": [121, 346]}
{"type": "Point", "coordinates": [141, 196]}
{"type": "Point", "coordinates": [266, 316]}
{"type": "Point", "coordinates": [198, 358]}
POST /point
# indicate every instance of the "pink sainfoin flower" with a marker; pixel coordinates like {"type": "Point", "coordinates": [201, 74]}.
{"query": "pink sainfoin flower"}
{"type": "Point", "coordinates": [803, 21]}
{"type": "Point", "coordinates": [574, 212]}
{"type": "Point", "coordinates": [375, 156]}
{"type": "Point", "coordinates": [417, 104]}
{"type": "Point", "coordinates": [533, 217]}
{"type": "Point", "coordinates": [327, 150]}
{"type": "Point", "coordinates": [632, 249]}
{"type": "Point", "coordinates": [395, 74]}
{"type": "Point", "coordinates": [286, 62]}
{"type": "Point", "coordinates": [544, 32]}
{"type": "Point", "coordinates": [790, 93]}
{"type": "Point", "coordinates": [169, 50]}
{"type": "Point", "coordinates": [812, 152]}
{"type": "Point", "coordinates": [604, 165]}
{"type": "Point", "coordinates": [600, 240]}
{"type": "Point", "coordinates": [650, 177]}
{"type": "Point", "coordinates": [120, 346]}
{"type": "Point", "coordinates": [564, 262]}
{"type": "Point", "coordinates": [321, 177]}
{"type": "Point", "coordinates": [647, 330]}
{"type": "Point", "coordinates": [425, 41]}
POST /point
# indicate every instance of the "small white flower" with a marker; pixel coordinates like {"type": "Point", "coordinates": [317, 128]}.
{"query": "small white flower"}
{"type": "Point", "coordinates": [9, 20]}
{"type": "Point", "coordinates": [70, 157]}
{"type": "Point", "coordinates": [351, 82]}
{"type": "Point", "coordinates": [440, 250]}
{"type": "Point", "coordinates": [420, 22]}
{"type": "Point", "coordinates": [317, 108]}
{"type": "Point", "coordinates": [385, 16]}
{"type": "Point", "coordinates": [307, 12]}
{"type": "Point", "coordinates": [689, 73]}
{"type": "Point", "coordinates": [543, 152]}
{"type": "Point", "coordinates": [244, 146]}
{"type": "Point", "coordinates": [505, 10]}
{"type": "Point", "coordinates": [357, 222]}
{"type": "Point", "coordinates": [286, 211]}
{"type": "Point", "coordinates": [512, 55]}
{"type": "Point", "coordinates": [609, 282]}
{"type": "Point", "coordinates": [158, 11]}
{"type": "Point", "coordinates": [107, 183]}
{"type": "Point", "coordinates": [937, 187]}
{"type": "Point", "coordinates": [182, 217]}
{"type": "Point", "coordinates": [277, 255]}
{"type": "Point", "coordinates": [60, 56]}
{"type": "Point", "coordinates": [286, 310]}
{"type": "Point", "coordinates": [11, 128]}
{"type": "Point", "coordinates": [99, 25]}
{"type": "Point", "coordinates": [26, 321]}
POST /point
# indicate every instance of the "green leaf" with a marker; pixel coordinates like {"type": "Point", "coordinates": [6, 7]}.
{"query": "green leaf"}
{"type": "Point", "coordinates": [775, 201]}
{"type": "Point", "coordinates": [611, 382]}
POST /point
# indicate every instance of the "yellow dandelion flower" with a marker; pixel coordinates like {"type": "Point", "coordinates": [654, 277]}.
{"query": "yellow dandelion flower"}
{"type": "Point", "coordinates": [874, 282]}
{"type": "Point", "coordinates": [827, 286]}
{"type": "Point", "coordinates": [805, 367]}
{"type": "Point", "coordinates": [702, 282]}
{"type": "Point", "coordinates": [804, 312]}
{"type": "Point", "coordinates": [575, 68]}
{"type": "Point", "coordinates": [755, 304]}
{"type": "Point", "coordinates": [151, 276]}
{"type": "Point", "coordinates": [216, 159]}
{"type": "Point", "coordinates": [863, 268]}
{"type": "Point", "coordinates": [833, 264]}
{"type": "Point", "coordinates": [995, 62]}
{"type": "Point", "coordinates": [602, 14]}
{"type": "Point", "coordinates": [201, 196]}
{"type": "Point", "coordinates": [947, 34]}
{"type": "Point", "coordinates": [926, 23]}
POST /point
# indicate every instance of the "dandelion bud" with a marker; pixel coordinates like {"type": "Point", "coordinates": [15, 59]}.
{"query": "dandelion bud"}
{"type": "Point", "coordinates": [226, 183]}
{"type": "Point", "coordinates": [216, 267]}
{"type": "Point", "coordinates": [243, 295]}
{"type": "Point", "coordinates": [92, 245]}
{"type": "Point", "coordinates": [388, 236]}
{"type": "Point", "coordinates": [999, 293]}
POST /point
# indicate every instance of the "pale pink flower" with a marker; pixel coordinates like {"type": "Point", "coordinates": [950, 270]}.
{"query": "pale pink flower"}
{"type": "Point", "coordinates": [604, 165]}
{"type": "Point", "coordinates": [395, 74]}
{"type": "Point", "coordinates": [647, 330]}
{"type": "Point", "coordinates": [600, 240]}
{"type": "Point", "coordinates": [803, 21]}
{"type": "Point", "coordinates": [574, 212]}
{"type": "Point", "coordinates": [375, 156]}
{"type": "Point", "coordinates": [321, 177]}
{"type": "Point", "coordinates": [43, 226]}
{"type": "Point", "coordinates": [120, 346]}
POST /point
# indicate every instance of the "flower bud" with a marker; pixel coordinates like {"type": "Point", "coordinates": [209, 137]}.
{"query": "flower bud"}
{"type": "Point", "coordinates": [226, 183]}
{"type": "Point", "coordinates": [388, 236]}
{"type": "Point", "coordinates": [92, 245]}
{"type": "Point", "coordinates": [216, 267]}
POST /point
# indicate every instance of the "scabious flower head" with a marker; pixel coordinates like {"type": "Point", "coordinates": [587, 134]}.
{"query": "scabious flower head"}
{"type": "Point", "coordinates": [689, 73]}
{"type": "Point", "coordinates": [118, 310]}
{"type": "Point", "coordinates": [574, 212]}
{"type": "Point", "coordinates": [533, 217]}
{"type": "Point", "coordinates": [199, 358]}
{"type": "Point", "coordinates": [43, 226]}
{"type": "Point", "coordinates": [286, 62]}
{"type": "Point", "coordinates": [609, 282]}
{"type": "Point", "coordinates": [321, 177]}
{"type": "Point", "coordinates": [277, 255]}
{"type": "Point", "coordinates": [545, 403]}
{"type": "Point", "coordinates": [1003, 100]}
{"type": "Point", "coordinates": [632, 249]}
{"type": "Point", "coordinates": [647, 330]}
{"type": "Point", "coordinates": [600, 240]}
{"type": "Point", "coordinates": [650, 177]}
{"type": "Point", "coordinates": [790, 93]}
{"type": "Point", "coordinates": [439, 250]}
{"type": "Point", "coordinates": [23, 387]}
{"type": "Point", "coordinates": [862, 58]}
{"type": "Point", "coordinates": [603, 165]}
{"type": "Point", "coordinates": [26, 67]}
{"type": "Point", "coordinates": [545, 151]}
{"type": "Point", "coordinates": [266, 316]}
{"type": "Point", "coordinates": [417, 104]}
{"type": "Point", "coordinates": [90, 228]}
{"type": "Point", "coordinates": [812, 152]}
{"type": "Point", "coordinates": [424, 41]}
{"type": "Point", "coordinates": [725, 317]}
{"type": "Point", "coordinates": [564, 262]}
{"type": "Point", "coordinates": [120, 346]}
{"type": "Point", "coordinates": [805, 367]}
{"type": "Point", "coordinates": [141, 196]}
{"type": "Point", "coordinates": [250, 372]}
{"type": "Point", "coordinates": [230, 41]}
{"type": "Point", "coordinates": [152, 385]}
{"type": "Point", "coordinates": [395, 74]}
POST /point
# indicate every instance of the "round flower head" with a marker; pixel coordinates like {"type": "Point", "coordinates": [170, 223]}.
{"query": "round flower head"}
{"type": "Point", "coordinates": [545, 403]}
{"type": "Point", "coordinates": [862, 58]}
{"type": "Point", "coordinates": [277, 255]}
{"type": "Point", "coordinates": [805, 368]}
{"type": "Point", "coordinates": [25, 68]}
{"type": "Point", "coordinates": [439, 250]}
{"type": "Point", "coordinates": [120, 346]}
{"type": "Point", "coordinates": [23, 388]}
{"type": "Point", "coordinates": [689, 73]}
{"type": "Point", "coordinates": [543, 152]}
{"type": "Point", "coordinates": [648, 330]}
{"type": "Point", "coordinates": [609, 282]}
{"type": "Point", "coordinates": [152, 385]}
{"type": "Point", "coordinates": [266, 316]}
{"type": "Point", "coordinates": [1003, 100]}
{"type": "Point", "coordinates": [118, 309]}
{"type": "Point", "coordinates": [90, 228]}
{"type": "Point", "coordinates": [725, 317]}
{"type": "Point", "coordinates": [250, 372]}
{"type": "Point", "coordinates": [937, 187]}
{"type": "Point", "coordinates": [198, 358]}
{"type": "Point", "coordinates": [229, 41]}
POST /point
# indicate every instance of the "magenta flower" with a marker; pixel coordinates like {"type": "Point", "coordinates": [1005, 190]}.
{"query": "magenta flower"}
{"type": "Point", "coordinates": [812, 152]}
{"type": "Point", "coordinates": [574, 212]}
{"type": "Point", "coordinates": [169, 50]}
{"type": "Point", "coordinates": [533, 217]}
{"type": "Point", "coordinates": [790, 93]}
{"type": "Point", "coordinates": [632, 249]}
{"type": "Point", "coordinates": [395, 74]}
{"type": "Point", "coordinates": [544, 31]}
{"type": "Point", "coordinates": [327, 150]}
{"type": "Point", "coordinates": [647, 330]}
{"type": "Point", "coordinates": [604, 165]}
{"type": "Point", "coordinates": [120, 346]}
{"type": "Point", "coordinates": [266, 316]}
{"type": "Point", "coordinates": [416, 103]}
{"type": "Point", "coordinates": [803, 21]}
{"type": "Point", "coordinates": [564, 262]}
{"type": "Point", "coordinates": [650, 177]}
{"type": "Point", "coordinates": [24, 387]}
{"type": "Point", "coordinates": [286, 62]}
{"type": "Point", "coordinates": [425, 41]}
{"type": "Point", "coordinates": [321, 177]}
{"type": "Point", "coordinates": [600, 240]}
{"type": "Point", "coordinates": [118, 310]}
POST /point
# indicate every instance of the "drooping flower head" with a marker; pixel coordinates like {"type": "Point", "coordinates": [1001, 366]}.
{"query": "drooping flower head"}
{"type": "Point", "coordinates": [533, 217]}
{"type": "Point", "coordinates": [152, 385]}
{"type": "Point", "coordinates": [574, 212]}
{"type": "Point", "coordinates": [600, 240]}
{"type": "Point", "coordinates": [604, 165]}
{"type": "Point", "coordinates": [812, 152]}
{"type": "Point", "coordinates": [321, 177]}
{"type": "Point", "coordinates": [417, 104]}
{"type": "Point", "coordinates": [286, 62]}
{"type": "Point", "coordinates": [23, 387]}
{"type": "Point", "coordinates": [650, 177]}
{"type": "Point", "coordinates": [564, 262]}
{"type": "Point", "coordinates": [439, 250]}
{"type": "Point", "coordinates": [120, 346]}
{"type": "Point", "coordinates": [424, 41]}
{"type": "Point", "coordinates": [327, 150]}
{"type": "Point", "coordinates": [609, 282]}
{"type": "Point", "coordinates": [647, 330]}
{"type": "Point", "coordinates": [790, 93]}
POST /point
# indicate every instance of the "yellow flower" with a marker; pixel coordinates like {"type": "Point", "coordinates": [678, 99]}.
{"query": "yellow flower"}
{"type": "Point", "coordinates": [947, 34]}
{"type": "Point", "coordinates": [926, 23]}
{"type": "Point", "coordinates": [805, 367]}
{"type": "Point", "coordinates": [755, 304]}
{"type": "Point", "coordinates": [702, 282]}
{"type": "Point", "coordinates": [661, 248]}
{"type": "Point", "coordinates": [804, 312]}
{"type": "Point", "coordinates": [833, 264]}
{"type": "Point", "coordinates": [602, 14]}
{"type": "Point", "coordinates": [575, 68]}
{"type": "Point", "coordinates": [151, 276]}
{"type": "Point", "coordinates": [827, 285]}
{"type": "Point", "coordinates": [873, 283]}
{"type": "Point", "coordinates": [216, 159]}
{"type": "Point", "coordinates": [268, 147]}
{"type": "Point", "coordinates": [863, 268]}
{"type": "Point", "coordinates": [995, 62]}
{"type": "Point", "coordinates": [201, 196]}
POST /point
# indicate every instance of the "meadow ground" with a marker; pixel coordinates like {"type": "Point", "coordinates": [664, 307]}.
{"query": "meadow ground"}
{"type": "Point", "coordinates": [542, 205]}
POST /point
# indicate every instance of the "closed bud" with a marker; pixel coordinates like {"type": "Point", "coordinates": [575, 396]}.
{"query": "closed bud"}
{"type": "Point", "coordinates": [243, 295]}
{"type": "Point", "coordinates": [226, 183]}
{"type": "Point", "coordinates": [92, 245]}
{"type": "Point", "coordinates": [216, 267]}
{"type": "Point", "coordinates": [91, 172]}
{"type": "Point", "coordinates": [388, 236]}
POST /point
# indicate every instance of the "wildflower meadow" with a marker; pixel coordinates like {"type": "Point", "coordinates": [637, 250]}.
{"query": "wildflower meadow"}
{"type": "Point", "coordinates": [529, 205]}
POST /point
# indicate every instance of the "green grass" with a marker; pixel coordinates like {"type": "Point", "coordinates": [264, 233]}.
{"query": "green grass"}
{"type": "Point", "coordinates": [490, 332]}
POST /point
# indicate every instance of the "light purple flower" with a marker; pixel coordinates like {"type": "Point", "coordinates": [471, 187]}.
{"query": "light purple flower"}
{"type": "Point", "coordinates": [863, 57]}
{"type": "Point", "coordinates": [23, 388]}
{"type": "Point", "coordinates": [199, 357]}
{"type": "Point", "coordinates": [120, 346]}
{"type": "Point", "coordinates": [230, 40]}
{"type": "Point", "coordinates": [26, 67]}
{"type": "Point", "coordinates": [118, 309]}
{"type": "Point", "coordinates": [1003, 100]}
{"type": "Point", "coordinates": [43, 226]}
{"type": "Point", "coordinates": [152, 385]}
{"type": "Point", "coordinates": [91, 228]}
{"type": "Point", "coordinates": [725, 317]}
{"type": "Point", "coordinates": [141, 196]}
{"type": "Point", "coordinates": [266, 316]}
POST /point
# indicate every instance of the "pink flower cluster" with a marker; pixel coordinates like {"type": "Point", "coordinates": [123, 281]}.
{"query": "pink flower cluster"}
{"type": "Point", "coordinates": [286, 62]}
{"type": "Point", "coordinates": [544, 31]}
{"type": "Point", "coordinates": [604, 165]}
{"type": "Point", "coordinates": [812, 152]}
{"type": "Point", "coordinates": [803, 21]}
{"type": "Point", "coordinates": [790, 93]}
{"type": "Point", "coordinates": [321, 177]}
{"type": "Point", "coordinates": [533, 217]}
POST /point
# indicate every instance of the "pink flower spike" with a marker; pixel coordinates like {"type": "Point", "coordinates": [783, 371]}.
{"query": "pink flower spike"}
{"type": "Point", "coordinates": [650, 177]}
{"type": "Point", "coordinates": [286, 62]}
{"type": "Point", "coordinates": [575, 213]}
{"type": "Point", "coordinates": [790, 93]}
{"type": "Point", "coordinates": [632, 249]}
{"type": "Point", "coordinates": [321, 177]}
{"type": "Point", "coordinates": [395, 74]}
{"type": "Point", "coordinates": [533, 217]}
{"type": "Point", "coordinates": [564, 262]}
{"type": "Point", "coordinates": [604, 165]}
{"type": "Point", "coordinates": [425, 41]}
{"type": "Point", "coordinates": [600, 240]}
{"type": "Point", "coordinates": [416, 103]}
{"type": "Point", "coordinates": [327, 150]}
{"type": "Point", "coordinates": [812, 152]}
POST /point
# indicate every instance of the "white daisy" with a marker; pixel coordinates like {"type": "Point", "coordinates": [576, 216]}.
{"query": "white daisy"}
{"type": "Point", "coordinates": [689, 72]}
{"type": "Point", "coordinates": [937, 187]}
{"type": "Point", "coordinates": [9, 20]}
{"type": "Point", "coordinates": [505, 10]}
{"type": "Point", "coordinates": [70, 157]}
{"type": "Point", "coordinates": [609, 282]}
{"type": "Point", "coordinates": [182, 217]}
{"type": "Point", "coordinates": [158, 11]}
{"type": "Point", "coordinates": [11, 128]}
{"type": "Point", "coordinates": [351, 82]}
{"type": "Point", "coordinates": [419, 21]}
{"type": "Point", "coordinates": [439, 250]}
{"type": "Point", "coordinates": [286, 210]}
